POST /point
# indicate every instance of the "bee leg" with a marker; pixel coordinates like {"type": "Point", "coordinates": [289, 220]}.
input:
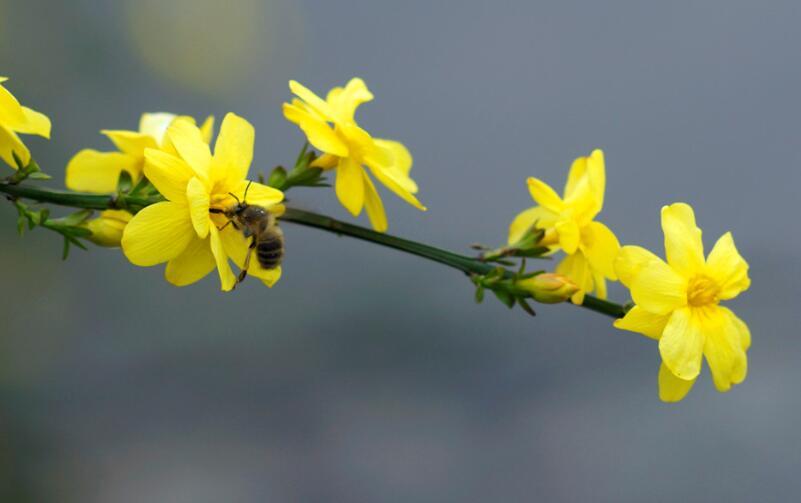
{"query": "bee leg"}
{"type": "Point", "coordinates": [231, 222]}
{"type": "Point", "coordinates": [244, 272]}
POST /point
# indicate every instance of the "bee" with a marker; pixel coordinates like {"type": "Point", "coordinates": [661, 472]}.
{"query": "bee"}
{"type": "Point", "coordinates": [256, 223]}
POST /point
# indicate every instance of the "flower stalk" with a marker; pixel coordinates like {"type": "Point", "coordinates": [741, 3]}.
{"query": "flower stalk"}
{"type": "Point", "coordinates": [466, 264]}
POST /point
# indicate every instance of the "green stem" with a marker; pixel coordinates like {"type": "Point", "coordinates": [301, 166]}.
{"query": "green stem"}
{"type": "Point", "coordinates": [78, 199]}
{"type": "Point", "coordinates": [468, 265]}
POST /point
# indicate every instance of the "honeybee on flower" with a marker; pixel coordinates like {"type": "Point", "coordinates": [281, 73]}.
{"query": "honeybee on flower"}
{"type": "Point", "coordinates": [190, 230]}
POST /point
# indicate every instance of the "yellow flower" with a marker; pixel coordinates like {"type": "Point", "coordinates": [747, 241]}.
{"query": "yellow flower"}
{"type": "Point", "coordinates": [182, 231]}
{"type": "Point", "coordinates": [590, 246]}
{"type": "Point", "coordinates": [678, 303]}
{"type": "Point", "coordinates": [99, 172]}
{"type": "Point", "coordinates": [331, 128]}
{"type": "Point", "coordinates": [108, 227]}
{"type": "Point", "coordinates": [15, 118]}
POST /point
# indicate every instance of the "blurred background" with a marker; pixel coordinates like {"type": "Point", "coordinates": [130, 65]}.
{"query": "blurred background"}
{"type": "Point", "coordinates": [367, 374]}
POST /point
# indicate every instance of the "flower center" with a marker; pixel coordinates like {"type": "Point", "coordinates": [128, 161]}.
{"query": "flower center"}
{"type": "Point", "coordinates": [702, 291]}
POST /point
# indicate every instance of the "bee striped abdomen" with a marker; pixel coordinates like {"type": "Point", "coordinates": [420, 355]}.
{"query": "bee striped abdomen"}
{"type": "Point", "coordinates": [270, 250]}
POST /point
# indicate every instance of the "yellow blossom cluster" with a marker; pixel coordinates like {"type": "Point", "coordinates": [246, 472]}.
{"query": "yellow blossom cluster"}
{"type": "Point", "coordinates": [676, 302]}
{"type": "Point", "coordinates": [202, 212]}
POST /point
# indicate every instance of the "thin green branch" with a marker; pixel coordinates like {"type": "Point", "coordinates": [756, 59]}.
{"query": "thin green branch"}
{"type": "Point", "coordinates": [468, 265]}
{"type": "Point", "coordinates": [78, 199]}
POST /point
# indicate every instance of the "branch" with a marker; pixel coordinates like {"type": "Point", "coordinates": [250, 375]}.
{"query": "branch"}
{"type": "Point", "coordinates": [468, 265]}
{"type": "Point", "coordinates": [78, 199]}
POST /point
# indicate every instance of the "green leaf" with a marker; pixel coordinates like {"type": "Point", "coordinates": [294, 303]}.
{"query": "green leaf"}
{"type": "Point", "coordinates": [530, 274]}
{"type": "Point", "coordinates": [78, 232]}
{"type": "Point", "coordinates": [76, 218]}
{"type": "Point", "coordinates": [479, 294]}
{"type": "Point", "coordinates": [125, 182]}
{"type": "Point", "coordinates": [143, 185]}
{"type": "Point", "coordinates": [536, 252]}
{"type": "Point", "coordinates": [303, 157]}
{"type": "Point", "coordinates": [277, 178]}
{"type": "Point", "coordinates": [78, 243]}
{"type": "Point", "coordinates": [505, 297]}
{"type": "Point", "coordinates": [66, 250]}
{"type": "Point", "coordinates": [38, 175]}
{"type": "Point", "coordinates": [524, 305]}
{"type": "Point", "coordinates": [18, 161]}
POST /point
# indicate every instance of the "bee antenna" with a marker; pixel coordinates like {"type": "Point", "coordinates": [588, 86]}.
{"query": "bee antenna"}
{"type": "Point", "coordinates": [245, 197]}
{"type": "Point", "coordinates": [234, 196]}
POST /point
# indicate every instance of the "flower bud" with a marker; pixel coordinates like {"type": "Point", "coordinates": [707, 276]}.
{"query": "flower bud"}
{"type": "Point", "coordinates": [107, 228]}
{"type": "Point", "coordinates": [548, 288]}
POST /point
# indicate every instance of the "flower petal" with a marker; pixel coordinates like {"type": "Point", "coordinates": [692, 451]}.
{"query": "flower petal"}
{"type": "Point", "coordinates": [728, 268]}
{"type": "Point", "coordinates": [658, 288]}
{"type": "Point", "coordinates": [373, 205]}
{"type": "Point", "coordinates": [157, 234]}
{"type": "Point", "coordinates": [544, 219]}
{"type": "Point", "coordinates": [682, 344]}
{"type": "Point", "coordinates": [601, 247]}
{"type": "Point", "coordinates": [389, 181]}
{"type": "Point", "coordinates": [198, 198]}
{"type": "Point", "coordinates": [683, 246]}
{"type": "Point", "coordinates": [168, 173]}
{"type": "Point", "coordinates": [93, 171]}
{"type": "Point", "coordinates": [350, 185]}
{"type": "Point", "coordinates": [599, 283]}
{"type": "Point", "coordinates": [672, 388]}
{"type": "Point", "coordinates": [401, 163]}
{"type": "Point", "coordinates": [227, 278]}
{"type": "Point", "coordinates": [587, 177]}
{"type": "Point", "coordinates": [569, 235]}
{"type": "Point", "coordinates": [269, 277]}
{"type": "Point", "coordinates": [544, 195]}
{"type": "Point", "coordinates": [344, 101]}
{"type": "Point", "coordinates": [312, 100]}
{"type": "Point", "coordinates": [325, 161]}
{"type": "Point", "coordinates": [188, 141]}
{"type": "Point", "coordinates": [155, 125]}
{"type": "Point", "coordinates": [257, 193]}
{"type": "Point", "coordinates": [193, 264]}
{"type": "Point", "coordinates": [35, 123]}
{"type": "Point", "coordinates": [11, 113]}
{"type": "Point", "coordinates": [576, 175]}
{"type": "Point", "coordinates": [130, 142]}
{"type": "Point", "coordinates": [207, 129]}
{"type": "Point", "coordinates": [235, 244]}
{"type": "Point", "coordinates": [577, 268]}
{"type": "Point", "coordinates": [641, 321]}
{"type": "Point", "coordinates": [318, 132]}
{"type": "Point", "coordinates": [742, 328]}
{"type": "Point", "coordinates": [630, 261]}
{"type": "Point", "coordinates": [11, 143]}
{"type": "Point", "coordinates": [723, 348]}
{"type": "Point", "coordinates": [596, 174]}
{"type": "Point", "coordinates": [234, 147]}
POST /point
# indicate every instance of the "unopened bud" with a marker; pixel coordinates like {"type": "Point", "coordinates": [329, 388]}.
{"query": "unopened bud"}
{"type": "Point", "coordinates": [549, 288]}
{"type": "Point", "coordinates": [107, 228]}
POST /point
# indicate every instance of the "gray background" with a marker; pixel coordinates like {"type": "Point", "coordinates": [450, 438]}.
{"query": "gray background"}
{"type": "Point", "coordinates": [369, 375]}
